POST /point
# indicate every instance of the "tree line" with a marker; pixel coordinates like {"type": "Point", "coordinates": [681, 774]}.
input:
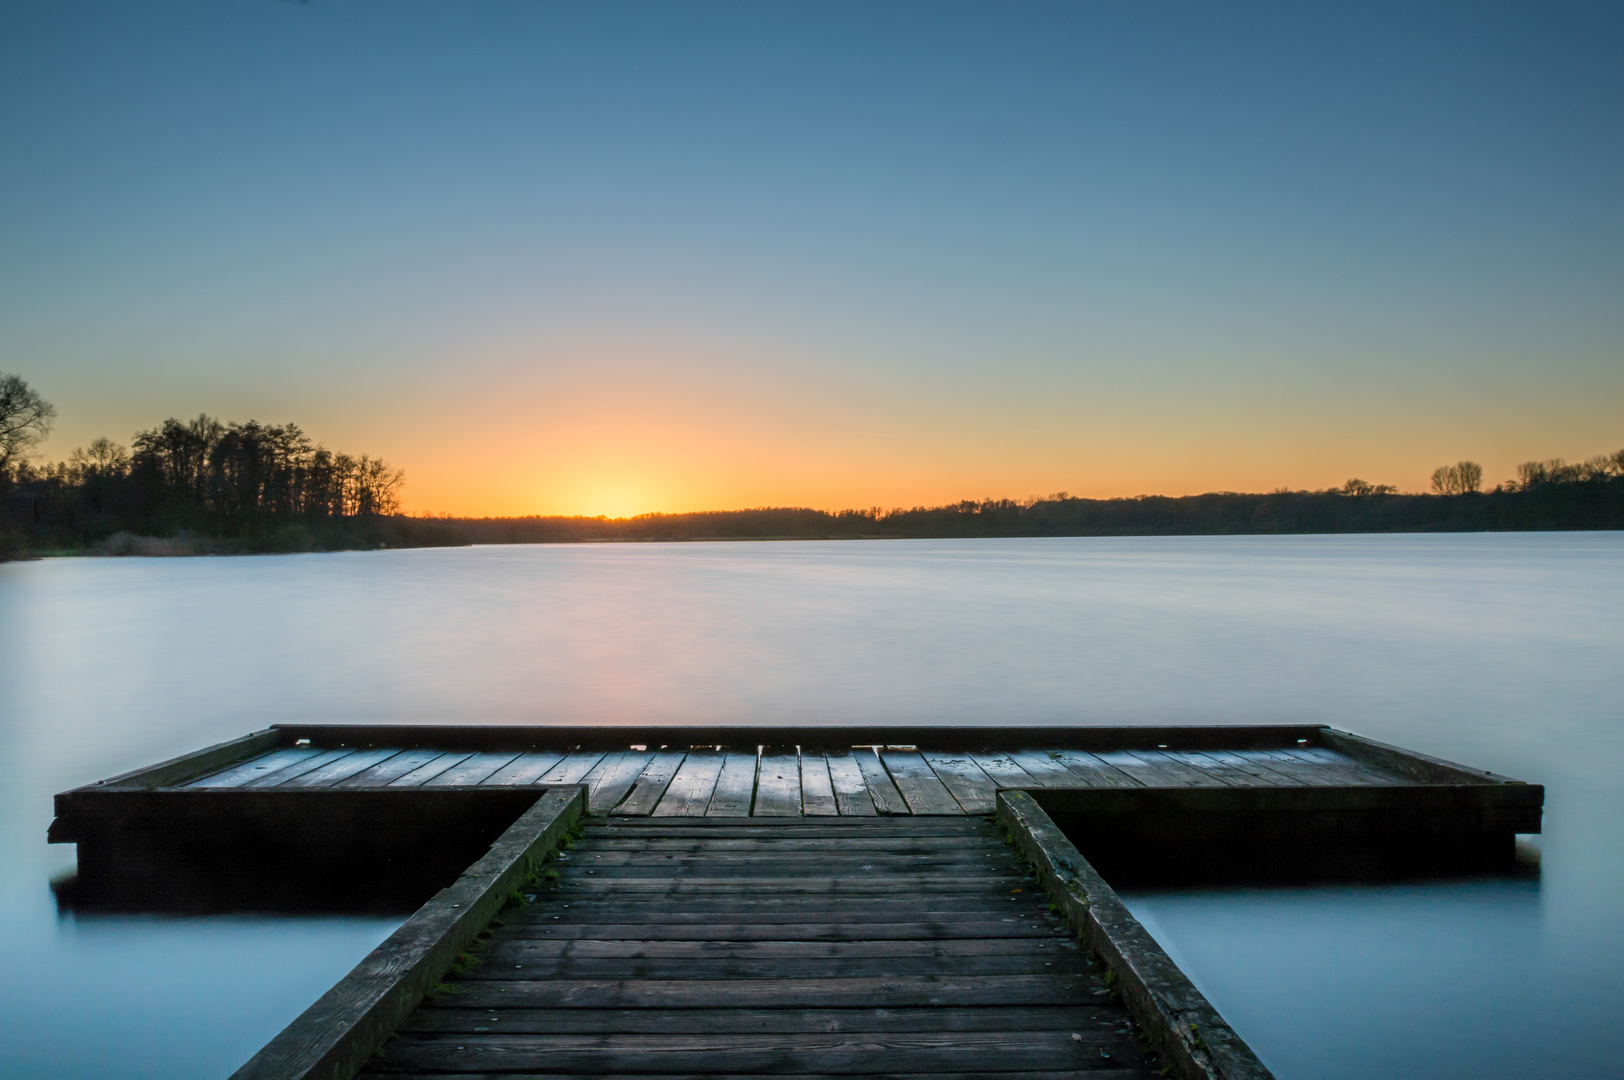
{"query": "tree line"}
{"type": "Point", "coordinates": [1586, 503]}
{"type": "Point", "coordinates": [208, 485]}
{"type": "Point", "coordinates": [225, 486]}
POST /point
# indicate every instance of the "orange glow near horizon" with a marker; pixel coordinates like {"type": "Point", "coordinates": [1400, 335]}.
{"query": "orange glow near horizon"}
{"type": "Point", "coordinates": [627, 433]}
{"type": "Point", "coordinates": [674, 434]}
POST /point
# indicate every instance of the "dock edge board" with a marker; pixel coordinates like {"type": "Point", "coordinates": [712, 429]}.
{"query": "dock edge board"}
{"type": "Point", "coordinates": [1184, 1028]}
{"type": "Point", "coordinates": [337, 1035]}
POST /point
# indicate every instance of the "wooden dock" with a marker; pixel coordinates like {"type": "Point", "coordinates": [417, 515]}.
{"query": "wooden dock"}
{"type": "Point", "coordinates": [719, 947]}
{"type": "Point", "coordinates": [825, 901]}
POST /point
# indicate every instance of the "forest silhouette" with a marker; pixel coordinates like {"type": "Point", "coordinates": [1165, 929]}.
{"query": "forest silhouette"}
{"type": "Point", "coordinates": [202, 486]}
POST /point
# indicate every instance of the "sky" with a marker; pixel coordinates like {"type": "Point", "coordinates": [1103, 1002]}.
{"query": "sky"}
{"type": "Point", "coordinates": [612, 258]}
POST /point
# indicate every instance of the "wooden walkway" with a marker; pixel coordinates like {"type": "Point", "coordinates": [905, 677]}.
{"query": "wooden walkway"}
{"type": "Point", "coordinates": [701, 946]}
{"type": "Point", "coordinates": [807, 901]}
{"type": "Point", "coordinates": [663, 781]}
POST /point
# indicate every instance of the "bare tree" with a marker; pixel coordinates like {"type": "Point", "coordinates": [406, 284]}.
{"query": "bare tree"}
{"type": "Point", "coordinates": [25, 419]}
{"type": "Point", "coordinates": [102, 459]}
{"type": "Point", "coordinates": [1461, 478]}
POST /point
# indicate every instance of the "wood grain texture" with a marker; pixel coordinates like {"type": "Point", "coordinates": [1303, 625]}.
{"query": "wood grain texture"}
{"type": "Point", "coordinates": [778, 785]}
{"type": "Point", "coordinates": [735, 787]}
{"type": "Point", "coordinates": [342, 769]}
{"type": "Point", "coordinates": [473, 769]}
{"type": "Point", "coordinates": [817, 790]}
{"type": "Point", "coordinates": [297, 769]}
{"type": "Point", "coordinates": [689, 793]}
{"type": "Point", "coordinates": [649, 787]}
{"type": "Point", "coordinates": [525, 769]}
{"type": "Point", "coordinates": [254, 768]}
{"type": "Point", "coordinates": [801, 946]}
{"type": "Point", "coordinates": [390, 769]}
{"type": "Point", "coordinates": [918, 784]}
{"type": "Point", "coordinates": [972, 788]}
{"type": "Point", "coordinates": [887, 799]}
{"type": "Point", "coordinates": [851, 791]}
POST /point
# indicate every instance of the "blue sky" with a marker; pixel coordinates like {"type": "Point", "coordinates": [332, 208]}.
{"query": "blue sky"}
{"type": "Point", "coordinates": [624, 257]}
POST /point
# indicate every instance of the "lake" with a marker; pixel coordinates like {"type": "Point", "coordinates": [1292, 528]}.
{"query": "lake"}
{"type": "Point", "coordinates": [1502, 651]}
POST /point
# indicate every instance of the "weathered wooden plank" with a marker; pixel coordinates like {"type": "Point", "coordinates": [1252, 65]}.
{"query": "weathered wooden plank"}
{"type": "Point", "coordinates": [896, 826]}
{"type": "Point", "coordinates": [851, 793]}
{"type": "Point", "coordinates": [1111, 1073]}
{"type": "Point", "coordinates": [817, 790]}
{"type": "Point", "coordinates": [526, 769]}
{"type": "Point", "coordinates": [1257, 768]}
{"type": "Point", "coordinates": [298, 769]}
{"type": "Point", "coordinates": [689, 793]}
{"type": "Point", "coordinates": [573, 768]}
{"type": "Point", "coordinates": [684, 886]}
{"type": "Point", "coordinates": [795, 931]}
{"type": "Point", "coordinates": [341, 769]}
{"type": "Point", "coordinates": [902, 845]}
{"type": "Point", "coordinates": [254, 768]}
{"type": "Point", "coordinates": [1220, 771]}
{"type": "Point", "coordinates": [428, 771]}
{"type": "Point", "coordinates": [447, 1015]}
{"type": "Point", "coordinates": [1150, 774]}
{"type": "Point", "coordinates": [472, 770]}
{"type": "Point", "coordinates": [517, 966]}
{"type": "Point", "coordinates": [915, 991]}
{"type": "Point", "coordinates": [613, 777]}
{"type": "Point", "coordinates": [707, 911]}
{"type": "Point", "coordinates": [707, 829]}
{"type": "Point", "coordinates": [971, 787]}
{"type": "Point", "coordinates": [651, 783]}
{"type": "Point", "coordinates": [505, 952]}
{"type": "Point", "coordinates": [1178, 773]}
{"type": "Point", "coordinates": [758, 907]}
{"type": "Point", "coordinates": [887, 799]}
{"type": "Point", "coordinates": [1301, 773]}
{"type": "Point", "coordinates": [390, 769]}
{"type": "Point", "coordinates": [735, 787]}
{"type": "Point", "coordinates": [918, 783]}
{"type": "Point", "coordinates": [744, 861]}
{"type": "Point", "coordinates": [1044, 767]}
{"type": "Point", "coordinates": [1003, 769]}
{"type": "Point", "coordinates": [733, 1054]}
{"type": "Point", "coordinates": [778, 785]}
{"type": "Point", "coordinates": [1354, 771]}
{"type": "Point", "coordinates": [1094, 772]}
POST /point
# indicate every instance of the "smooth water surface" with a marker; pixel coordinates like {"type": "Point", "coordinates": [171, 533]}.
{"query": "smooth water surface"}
{"type": "Point", "coordinates": [1502, 651]}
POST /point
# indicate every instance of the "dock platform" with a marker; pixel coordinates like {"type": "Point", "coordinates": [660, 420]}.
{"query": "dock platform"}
{"type": "Point", "coordinates": [806, 901]}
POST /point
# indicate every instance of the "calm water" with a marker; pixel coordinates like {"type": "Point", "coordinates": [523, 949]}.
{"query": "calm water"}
{"type": "Point", "coordinates": [1503, 651]}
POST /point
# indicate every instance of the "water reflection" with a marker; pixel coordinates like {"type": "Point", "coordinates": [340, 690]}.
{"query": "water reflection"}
{"type": "Point", "coordinates": [1396, 980]}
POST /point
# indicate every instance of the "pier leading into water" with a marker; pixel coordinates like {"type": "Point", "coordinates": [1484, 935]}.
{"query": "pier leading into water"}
{"type": "Point", "coordinates": [747, 901]}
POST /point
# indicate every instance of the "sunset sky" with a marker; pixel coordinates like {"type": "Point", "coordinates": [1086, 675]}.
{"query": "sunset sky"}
{"type": "Point", "coordinates": [622, 257]}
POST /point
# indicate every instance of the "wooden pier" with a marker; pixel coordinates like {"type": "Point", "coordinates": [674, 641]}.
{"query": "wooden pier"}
{"type": "Point", "coordinates": [815, 902]}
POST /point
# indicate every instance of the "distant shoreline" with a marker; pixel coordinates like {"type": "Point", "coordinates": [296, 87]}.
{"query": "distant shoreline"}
{"type": "Point", "coordinates": [1588, 504]}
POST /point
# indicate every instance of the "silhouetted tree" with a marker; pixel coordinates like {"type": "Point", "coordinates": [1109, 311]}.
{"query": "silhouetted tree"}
{"type": "Point", "coordinates": [1461, 478]}
{"type": "Point", "coordinates": [25, 420]}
